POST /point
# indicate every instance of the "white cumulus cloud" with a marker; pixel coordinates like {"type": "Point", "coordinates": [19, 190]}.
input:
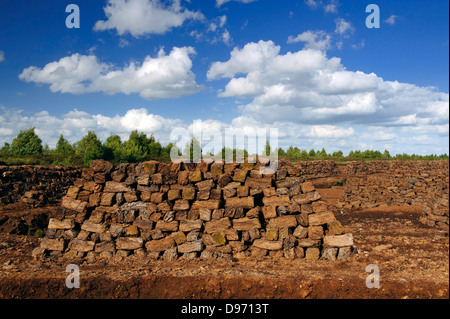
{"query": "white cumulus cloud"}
{"type": "Point", "coordinates": [391, 20]}
{"type": "Point", "coordinates": [75, 124]}
{"type": "Point", "coordinates": [307, 87]}
{"type": "Point", "coordinates": [215, 32]}
{"type": "Point", "coordinates": [251, 58]}
{"type": "Point", "coordinates": [221, 2]}
{"type": "Point", "coordinates": [343, 27]}
{"type": "Point", "coordinates": [163, 76]}
{"type": "Point", "coordinates": [327, 6]}
{"type": "Point", "coordinates": [319, 40]}
{"type": "Point", "coordinates": [143, 17]}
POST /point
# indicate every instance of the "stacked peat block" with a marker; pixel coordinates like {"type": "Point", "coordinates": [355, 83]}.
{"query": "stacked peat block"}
{"type": "Point", "coordinates": [186, 210]}
{"type": "Point", "coordinates": [317, 169]}
{"type": "Point", "coordinates": [436, 213]}
{"type": "Point", "coordinates": [35, 185]}
{"type": "Point", "coordinates": [402, 183]}
{"type": "Point", "coordinates": [366, 168]}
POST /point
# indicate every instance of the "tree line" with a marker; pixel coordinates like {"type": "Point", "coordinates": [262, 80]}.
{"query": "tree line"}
{"type": "Point", "coordinates": [27, 148]}
{"type": "Point", "coordinates": [296, 153]}
{"type": "Point", "coordinates": [139, 147]}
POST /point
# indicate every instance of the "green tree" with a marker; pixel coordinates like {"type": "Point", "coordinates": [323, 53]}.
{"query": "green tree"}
{"type": "Point", "coordinates": [46, 150]}
{"type": "Point", "coordinates": [322, 153]}
{"type": "Point", "coordinates": [355, 154]}
{"type": "Point", "coordinates": [139, 147]}
{"type": "Point", "coordinates": [281, 152]}
{"type": "Point", "coordinates": [304, 154]}
{"type": "Point", "coordinates": [26, 143]}
{"type": "Point", "coordinates": [312, 153]}
{"type": "Point", "coordinates": [89, 147]}
{"type": "Point", "coordinates": [154, 148]}
{"type": "Point", "coordinates": [165, 152]}
{"type": "Point", "coordinates": [63, 147]}
{"type": "Point", "coordinates": [338, 154]}
{"type": "Point", "coordinates": [243, 152]}
{"type": "Point", "coordinates": [114, 149]}
{"type": "Point", "coordinates": [293, 152]}
{"type": "Point", "coordinates": [5, 149]}
{"type": "Point", "coordinates": [194, 145]}
{"type": "Point", "coordinates": [267, 149]}
{"type": "Point", "coordinates": [228, 154]}
{"type": "Point", "coordinates": [136, 148]}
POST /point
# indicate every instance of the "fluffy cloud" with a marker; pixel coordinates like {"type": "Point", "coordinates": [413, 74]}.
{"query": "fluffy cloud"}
{"type": "Point", "coordinates": [312, 4]}
{"type": "Point", "coordinates": [323, 41]}
{"type": "Point", "coordinates": [165, 76]}
{"type": "Point", "coordinates": [343, 27]}
{"type": "Point", "coordinates": [326, 132]}
{"type": "Point", "coordinates": [379, 134]}
{"type": "Point", "coordinates": [327, 6]}
{"type": "Point", "coordinates": [221, 2]}
{"type": "Point", "coordinates": [226, 37]}
{"type": "Point", "coordinates": [215, 32]}
{"type": "Point", "coordinates": [2, 56]}
{"type": "Point", "coordinates": [219, 22]}
{"type": "Point", "coordinates": [330, 7]}
{"type": "Point", "coordinates": [143, 17]}
{"type": "Point", "coordinates": [318, 40]}
{"type": "Point", "coordinates": [391, 19]}
{"type": "Point", "coordinates": [252, 57]}
{"type": "Point", "coordinates": [75, 124]}
{"type": "Point", "coordinates": [308, 88]}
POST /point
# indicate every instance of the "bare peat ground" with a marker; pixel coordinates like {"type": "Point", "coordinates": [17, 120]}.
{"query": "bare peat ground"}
{"type": "Point", "coordinates": [413, 261]}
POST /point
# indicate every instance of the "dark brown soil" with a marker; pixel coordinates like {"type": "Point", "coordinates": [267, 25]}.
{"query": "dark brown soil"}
{"type": "Point", "coordinates": [413, 262]}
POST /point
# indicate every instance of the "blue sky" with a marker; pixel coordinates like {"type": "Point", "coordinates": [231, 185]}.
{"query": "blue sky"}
{"type": "Point", "coordinates": [310, 68]}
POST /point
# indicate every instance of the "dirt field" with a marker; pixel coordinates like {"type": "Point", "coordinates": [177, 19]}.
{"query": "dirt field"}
{"type": "Point", "coordinates": [413, 260]}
